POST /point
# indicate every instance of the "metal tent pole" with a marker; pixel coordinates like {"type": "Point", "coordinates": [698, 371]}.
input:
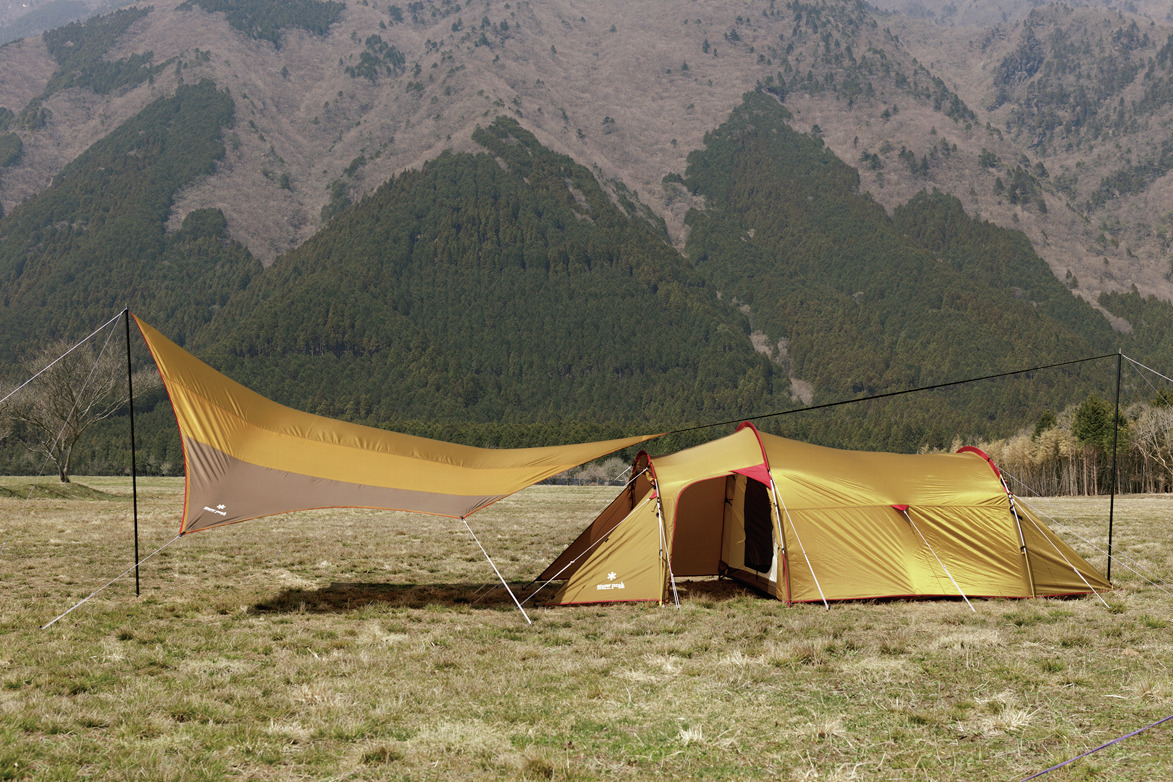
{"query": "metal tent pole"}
{"type": "Point", "coordinates": [1115, 439]}
{"type": "Point", "coordinates": [133, 455]}
{"type": "Point", "coordinates": [802, 548]}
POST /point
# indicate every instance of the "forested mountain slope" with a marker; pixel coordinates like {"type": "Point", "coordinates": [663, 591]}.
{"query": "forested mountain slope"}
{"type": "Point", "coordinates": [857, 301]}
{"type": "Point", "coordinates": [1078, 97]}
{"type": "Point", "coordinates": [95, 240]}
{"type": "Point", "coordinates": [503, 286]}
{"type": "Point", "coordinates": [525, 222]}
{"type": "Point", "coordinates": [334, 98]}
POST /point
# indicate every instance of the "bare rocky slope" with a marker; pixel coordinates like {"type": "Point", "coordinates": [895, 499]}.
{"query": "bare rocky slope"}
{"type": "Point", "coordinates": [629, 89]}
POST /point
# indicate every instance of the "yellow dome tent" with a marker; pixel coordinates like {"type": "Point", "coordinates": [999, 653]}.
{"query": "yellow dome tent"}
{"type": "Point", "coordinates": [806, 523]}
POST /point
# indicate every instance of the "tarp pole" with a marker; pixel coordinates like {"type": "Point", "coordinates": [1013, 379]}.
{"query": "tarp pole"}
{"type": "Point", "coordinates": [133, 455]}
{"type": "Point", "coordinates": [495, 570]}
{"type": "Point", "coordinates": [939, 562]}
{"type": "Point", "coordinates": [1115, 439]}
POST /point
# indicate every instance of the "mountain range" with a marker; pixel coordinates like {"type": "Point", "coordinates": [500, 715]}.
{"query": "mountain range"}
{"type": "Point", "coordinates": [507, 222]}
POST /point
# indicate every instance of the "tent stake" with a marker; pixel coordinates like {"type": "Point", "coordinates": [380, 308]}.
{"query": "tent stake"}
{"type": "Point", "coordinates": [133, 455]}
{"type": "Point", "coordinates": [1115, 438]}
{"type": "Point", "coordinates": [495, 570]}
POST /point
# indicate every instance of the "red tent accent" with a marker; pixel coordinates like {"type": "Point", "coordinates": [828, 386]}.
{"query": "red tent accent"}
{"type": "Point", "coordinates": [760, 473]}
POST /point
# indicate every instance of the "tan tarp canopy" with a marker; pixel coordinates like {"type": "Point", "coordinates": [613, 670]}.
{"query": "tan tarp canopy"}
{"type": "Point", "coordinates": [248, 456]}
{"type": "Point", "coordinates": [807, 523]}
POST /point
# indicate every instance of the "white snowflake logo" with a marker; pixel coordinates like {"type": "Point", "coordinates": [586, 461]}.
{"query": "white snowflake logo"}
{"type": "Point", "coordinates": [611, 576]}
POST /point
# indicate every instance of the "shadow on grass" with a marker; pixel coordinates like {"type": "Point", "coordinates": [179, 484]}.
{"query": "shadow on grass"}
{"type": "Point", "coordinates": [341, 597]}
{"type": "Point", "coordinates": [346, 596]}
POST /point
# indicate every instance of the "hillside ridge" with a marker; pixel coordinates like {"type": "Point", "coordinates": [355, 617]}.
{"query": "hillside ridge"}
{"type": "Point", "coordinates": [629, 91]}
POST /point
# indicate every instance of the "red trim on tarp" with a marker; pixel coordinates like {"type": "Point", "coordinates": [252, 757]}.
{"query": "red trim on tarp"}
{"type": "Point", "coordinates": [900, 508]}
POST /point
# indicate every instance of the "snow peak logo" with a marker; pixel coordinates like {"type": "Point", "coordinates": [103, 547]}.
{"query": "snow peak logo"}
{"type": "Point", "coordinates": [611, 585]}
{"type": "Point", "coordinates": [218, 509]}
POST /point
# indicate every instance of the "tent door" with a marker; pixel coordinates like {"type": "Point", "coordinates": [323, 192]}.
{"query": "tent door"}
{"type": "Point", "coordinates": [759, 528]}
{"type": "Point", "coordinates": [750, 548]}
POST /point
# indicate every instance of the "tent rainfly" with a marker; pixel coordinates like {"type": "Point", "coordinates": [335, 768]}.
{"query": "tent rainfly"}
{"type": "Point", "coordinates": [806, 523]}
{"type": "Point", "coordinates": [247, 456]}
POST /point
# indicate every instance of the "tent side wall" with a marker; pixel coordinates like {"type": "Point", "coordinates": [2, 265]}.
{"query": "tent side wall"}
{"type": "Point", "coordinates": [1053, 567]}
{"type": "Point", "coordinates": [955, 534]}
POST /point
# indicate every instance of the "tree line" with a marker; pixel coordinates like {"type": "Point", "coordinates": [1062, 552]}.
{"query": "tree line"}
{"type": "Point", "coordinates": [1071, 453]}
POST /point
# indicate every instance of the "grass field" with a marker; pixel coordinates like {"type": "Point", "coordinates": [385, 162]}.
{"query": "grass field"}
{"type": "Point", "coordinates": [359, 645]}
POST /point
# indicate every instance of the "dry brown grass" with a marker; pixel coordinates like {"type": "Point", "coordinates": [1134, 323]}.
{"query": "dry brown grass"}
{"type": "Point", "coordinates": [358, 644]}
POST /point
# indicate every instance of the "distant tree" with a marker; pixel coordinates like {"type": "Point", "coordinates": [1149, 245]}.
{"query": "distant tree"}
{"type": "Point", "coordinates": [1093, 422]}
{"type": "Point", "coordinates": [1094, 430]}
{"type": "Point", "coordinates": [1046, 421]}
{"type": "Point", "coordinates": [76, 389]}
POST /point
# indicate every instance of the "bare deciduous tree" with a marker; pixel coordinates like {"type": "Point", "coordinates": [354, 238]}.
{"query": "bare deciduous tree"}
{"type": "Point", "coordinates": [77, 389]}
